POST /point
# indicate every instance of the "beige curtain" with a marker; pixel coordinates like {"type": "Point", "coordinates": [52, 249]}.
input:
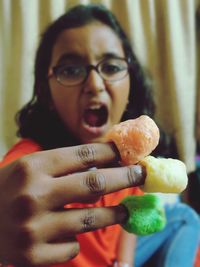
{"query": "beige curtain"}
{"type": "Point", "coordinates": [162, 32]}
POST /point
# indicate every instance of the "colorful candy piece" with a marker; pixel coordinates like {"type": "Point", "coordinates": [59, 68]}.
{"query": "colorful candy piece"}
{"type": "Point", "coordinates": [164, 175]}
{"type": "Point", "coordinates": [134, 139]}
{"type": "Point", "coordinates": [146, 214]}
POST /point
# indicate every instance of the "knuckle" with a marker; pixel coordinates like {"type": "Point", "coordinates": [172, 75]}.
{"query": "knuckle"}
{"type": "Point", "coordinates": [30, 255]}
{"type": "Point", "coordinates": [89, 221]}
{"type": "Point", "coordinates": [23, 169]}
{"type": "Point", "coordinates": [96, 182]}
{"type": "Point", "coordinates": [25, 237]}
{"type": "Point", "coordinates": [23, 207]}
{"type": "Point", "coordinates": [26, 258]}
{"type": "Point", "coordinates": [24, 166]}
{"type": "Point", "coordinates": [87, 154]}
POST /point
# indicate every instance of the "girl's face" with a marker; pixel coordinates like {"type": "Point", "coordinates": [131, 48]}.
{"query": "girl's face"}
{"type": "Point", "coordinates": [89, 109]}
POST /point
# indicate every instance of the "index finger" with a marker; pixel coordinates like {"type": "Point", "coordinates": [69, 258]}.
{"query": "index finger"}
{"type": "Point", "coordinates": [57, 162]}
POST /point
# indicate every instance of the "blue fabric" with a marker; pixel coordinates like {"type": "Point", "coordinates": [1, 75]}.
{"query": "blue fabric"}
{"type": "Point", "coordinates": [176, 245]}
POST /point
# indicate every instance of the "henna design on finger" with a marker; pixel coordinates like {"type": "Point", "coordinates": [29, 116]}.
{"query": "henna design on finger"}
{"type": "Point", "coordinates": [86, 154]}
{"type": "Point", "coordinates": [96, 182]}
{"type": "Point", "coordinates": [89, 221]}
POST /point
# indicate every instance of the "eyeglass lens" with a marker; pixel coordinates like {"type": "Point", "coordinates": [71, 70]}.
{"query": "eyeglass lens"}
{"type": "Point", "coordinates": [110, 70]}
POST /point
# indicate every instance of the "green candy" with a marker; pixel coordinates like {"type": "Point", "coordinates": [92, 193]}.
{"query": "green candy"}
{"type": "Point", "coordinates": [146, 214]}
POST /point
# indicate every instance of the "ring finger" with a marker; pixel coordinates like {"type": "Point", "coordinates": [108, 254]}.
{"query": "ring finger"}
{"type": "Point", "coordinates": [64, 224]}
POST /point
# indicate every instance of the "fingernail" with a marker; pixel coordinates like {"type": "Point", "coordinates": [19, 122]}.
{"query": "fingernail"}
{"type": "Point", "coordinates": [139, 174]}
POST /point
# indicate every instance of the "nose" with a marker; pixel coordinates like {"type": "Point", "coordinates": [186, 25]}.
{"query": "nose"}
{"type": "Point", "coordinates": [94, 84]}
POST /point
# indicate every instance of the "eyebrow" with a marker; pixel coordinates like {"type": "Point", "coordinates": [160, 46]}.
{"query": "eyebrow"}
{"type": "Point", "coordinates": [112, 55]}
{"type": "Point", "coordinates": [79, 58]}
{"type": "Point", "coordinates": [69, 57]}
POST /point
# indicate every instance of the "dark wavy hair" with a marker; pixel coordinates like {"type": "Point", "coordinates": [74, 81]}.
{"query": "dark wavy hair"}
{"type": "Point", "coordinates": [36, 120]}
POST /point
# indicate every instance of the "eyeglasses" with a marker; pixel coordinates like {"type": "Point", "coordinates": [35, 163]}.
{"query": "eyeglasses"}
{"type": "Point", "coordinates": [110, 70]}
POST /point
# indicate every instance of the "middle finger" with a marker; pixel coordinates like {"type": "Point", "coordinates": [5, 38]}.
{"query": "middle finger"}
{"type": "Point", "coordinates": [85, 186]}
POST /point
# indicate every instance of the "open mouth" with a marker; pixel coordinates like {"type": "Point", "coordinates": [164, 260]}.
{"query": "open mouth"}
{"type": "Point", "coordinates": [96, 116]}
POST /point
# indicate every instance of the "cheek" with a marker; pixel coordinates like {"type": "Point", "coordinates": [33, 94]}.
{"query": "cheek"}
{"type": "Point", "coordinates": [65, 104]}
{"type": "Point", "coordinates": [120, 97]}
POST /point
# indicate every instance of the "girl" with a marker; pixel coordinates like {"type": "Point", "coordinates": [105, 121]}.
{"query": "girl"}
{"type": "Point", "coordinates": [87, 79]}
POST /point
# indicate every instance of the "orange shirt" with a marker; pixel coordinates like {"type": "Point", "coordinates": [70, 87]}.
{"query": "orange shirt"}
{"type": "Point", "coordinates": [97, 248]}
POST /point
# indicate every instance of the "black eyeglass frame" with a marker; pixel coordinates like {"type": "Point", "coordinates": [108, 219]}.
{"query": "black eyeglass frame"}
{"type": "Point", "coordinates": [88, 68]}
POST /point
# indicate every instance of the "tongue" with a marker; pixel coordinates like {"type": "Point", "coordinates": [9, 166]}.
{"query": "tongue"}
{"type": "Point", "coordinates": [96, 117]}
{"type": "Point", "coordinates": [91, 119]}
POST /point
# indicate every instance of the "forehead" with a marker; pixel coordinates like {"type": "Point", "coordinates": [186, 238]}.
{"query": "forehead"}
{"type": "Point", "coordinates": [90, 43]}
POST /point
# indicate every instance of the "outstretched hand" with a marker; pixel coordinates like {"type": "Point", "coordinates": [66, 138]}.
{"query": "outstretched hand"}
{"type": "Point", "coordinates": [35, 229]}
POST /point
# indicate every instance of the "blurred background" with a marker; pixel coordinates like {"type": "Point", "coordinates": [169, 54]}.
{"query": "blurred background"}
{"type": "Point", "coordinates": [164, 35]}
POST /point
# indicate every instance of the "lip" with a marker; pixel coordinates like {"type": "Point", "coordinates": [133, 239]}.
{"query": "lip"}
{"type": "Point", "coordinates": [95, 131]}
{"type": "Point", "coordinates": [95, 102]}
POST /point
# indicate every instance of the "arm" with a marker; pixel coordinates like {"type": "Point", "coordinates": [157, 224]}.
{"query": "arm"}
{"type": "Point", "coordinates": [126, 247]}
